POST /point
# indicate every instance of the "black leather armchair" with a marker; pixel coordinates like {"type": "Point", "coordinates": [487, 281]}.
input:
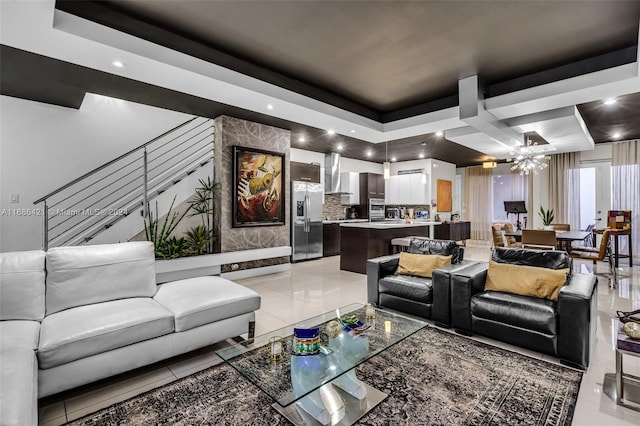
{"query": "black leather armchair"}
{"type": "Point", "coordinates": [425, 297]}
{"type": "Point", "coordinates": [564, 328]}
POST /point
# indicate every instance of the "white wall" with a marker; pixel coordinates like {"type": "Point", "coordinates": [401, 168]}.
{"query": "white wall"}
{"type": "Point", "coordinates": [42, 147]}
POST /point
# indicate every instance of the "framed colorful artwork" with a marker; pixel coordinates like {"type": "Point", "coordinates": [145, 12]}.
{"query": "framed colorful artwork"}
{"type": "Point", "coordinates": [258, 187]}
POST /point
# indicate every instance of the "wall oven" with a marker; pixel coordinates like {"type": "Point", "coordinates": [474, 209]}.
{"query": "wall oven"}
{"type": "Point", "coordinates": [376, 209]}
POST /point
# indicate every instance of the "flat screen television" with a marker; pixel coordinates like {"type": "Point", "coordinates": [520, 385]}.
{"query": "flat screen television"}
{"type": "Point", "coordinates": [514, 207]}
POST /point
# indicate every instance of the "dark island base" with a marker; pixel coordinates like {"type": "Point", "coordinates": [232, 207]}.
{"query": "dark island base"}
{"type": "Point", "coordinates": [359, 244]}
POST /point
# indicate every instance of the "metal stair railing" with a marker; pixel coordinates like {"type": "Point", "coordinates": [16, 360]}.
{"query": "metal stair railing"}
{"type": "Point", "coordinates": [79, 210]}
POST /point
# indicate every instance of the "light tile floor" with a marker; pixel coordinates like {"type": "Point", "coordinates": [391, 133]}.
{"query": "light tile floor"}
{"type": "Point", "coordinates": [313, 287]}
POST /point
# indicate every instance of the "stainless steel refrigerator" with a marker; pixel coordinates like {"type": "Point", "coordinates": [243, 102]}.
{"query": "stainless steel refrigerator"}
{"type": "Point", "coordinates": [306, 220]}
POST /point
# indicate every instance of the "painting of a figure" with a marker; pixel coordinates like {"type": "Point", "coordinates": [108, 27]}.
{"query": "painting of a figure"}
{"type": "Point", "coordinates": [258, 187]}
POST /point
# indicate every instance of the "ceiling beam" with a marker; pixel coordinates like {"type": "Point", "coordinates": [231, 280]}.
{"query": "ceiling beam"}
{"type": "Point", "coordinates": [473, 112]}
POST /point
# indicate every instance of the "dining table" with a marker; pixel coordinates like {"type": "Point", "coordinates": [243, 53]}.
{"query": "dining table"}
{"type": "Point", "coordinates": [565, 238]}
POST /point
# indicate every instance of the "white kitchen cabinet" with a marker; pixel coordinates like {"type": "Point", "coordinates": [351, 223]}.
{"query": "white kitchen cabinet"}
{"type": "Point", "coordinates": [391, 191]}
{"type": "Point", "coordinates": [407, 190]}
{"type": "Point", "coordinates": [419, 190]}
{"type": "Point", "coordinates": [404, 189]}
{"type": "Point", "coordinates": [350, 185]}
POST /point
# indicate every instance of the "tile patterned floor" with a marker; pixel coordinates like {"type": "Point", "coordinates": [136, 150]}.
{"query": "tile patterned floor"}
{"type": "Point", "coordinates": [317, 286]}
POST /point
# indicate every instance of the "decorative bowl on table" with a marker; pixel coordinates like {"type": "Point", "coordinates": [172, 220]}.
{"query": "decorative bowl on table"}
{"type": "Point", "coordinates": [353, 325]}
{"type": "Point", "coordinates": [305, 341]}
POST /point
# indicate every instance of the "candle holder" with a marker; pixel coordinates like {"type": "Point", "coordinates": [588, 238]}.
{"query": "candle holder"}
{"type": "Point", "coordinates": [370, 310]}
{"type": "Point", "coordinates": [387, 327]}
{"type": "Point", "coordinates": [276, 348]}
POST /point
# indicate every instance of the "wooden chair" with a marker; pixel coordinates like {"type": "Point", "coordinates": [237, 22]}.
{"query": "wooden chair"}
{"type": "Point", "coordinates": [561, 226]}
{"type": "Point", "coordinates": [599, 253]}
{"type": "Point", "coordinates": [539, 240]}
{"type": "Point", "coordinates": [496, 231]}
{"type": "Point", "coordinates": [511, 241]}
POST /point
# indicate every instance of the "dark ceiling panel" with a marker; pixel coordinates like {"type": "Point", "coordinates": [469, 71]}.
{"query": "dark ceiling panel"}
{"type": "Point", "coordinates": [173, 38]}
{"type": "Point", "coordinates": [64, 81]}
{"type": "Point", "coordinates": [604, 121]}
{"type": "Point", "coordinates": [386, 56]}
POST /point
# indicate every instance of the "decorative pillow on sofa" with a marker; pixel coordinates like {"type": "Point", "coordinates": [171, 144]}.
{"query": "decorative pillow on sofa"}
{"type": "Point", "coordinates": [421, 265]}
{"type": "Point", "coordinates": [440, 247]}
{"type": "Point", "coordinates": [533, 281]}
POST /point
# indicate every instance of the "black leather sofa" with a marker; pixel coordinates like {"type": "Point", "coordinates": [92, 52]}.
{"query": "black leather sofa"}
{"type": "Point", "coordinates": [565, 328]}
{"type": "Point", "coordinates": [424, 297]}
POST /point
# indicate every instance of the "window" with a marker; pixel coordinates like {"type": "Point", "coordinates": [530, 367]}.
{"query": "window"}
{"type": "Point", "coordinates": [508, 187]}
{"type": "Point", "coordinates": [587, 197]}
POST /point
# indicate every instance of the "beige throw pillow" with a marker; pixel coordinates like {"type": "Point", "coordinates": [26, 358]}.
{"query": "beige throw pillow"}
{"type": "Point", "coordinates": [543, 283]}
{"type": "Point", "coordinates": [421, 265]}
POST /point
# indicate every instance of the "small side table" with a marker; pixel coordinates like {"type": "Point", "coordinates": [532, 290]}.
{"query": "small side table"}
{"type": "Point", "coordinates": [626, 346]}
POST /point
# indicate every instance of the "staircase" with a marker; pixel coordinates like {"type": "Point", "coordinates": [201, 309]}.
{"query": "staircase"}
{"type": "Point", "coordinates": [83, 210]}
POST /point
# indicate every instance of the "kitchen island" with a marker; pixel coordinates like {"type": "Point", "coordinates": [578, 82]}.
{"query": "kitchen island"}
{"type": "Point", "coordinates": [362, 241]}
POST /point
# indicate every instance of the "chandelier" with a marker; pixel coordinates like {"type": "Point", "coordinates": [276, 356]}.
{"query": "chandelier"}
{"type": "Point", "coordinates": [528, 158]}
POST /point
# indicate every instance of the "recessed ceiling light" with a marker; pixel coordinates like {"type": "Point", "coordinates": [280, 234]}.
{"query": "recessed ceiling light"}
{"type": "Point", "coordinates": [393, 158]}
{"type": "Point", "coordinates": [352, 131]}
{"type": "Point", "coordinates": [369, 153]}
{"type": "Point", "coordinates": [616, 136]}
{"type": "Point", "coordinates": [331, 132]}
{"type": "Point", "coordinates": [301, 139]}
{"type": "Point", "coordinates": [610, 101]}
{"type": "Point", "coordinates": [439, 133]}
{"type": "Point", "coordinates": [339, 147]}
{"type": "Point", "coordinates": [269, 106]}
{"type": "Point", "coordinates": [421, 155]}
{"type": "Point", "coordinates": [118, 64]}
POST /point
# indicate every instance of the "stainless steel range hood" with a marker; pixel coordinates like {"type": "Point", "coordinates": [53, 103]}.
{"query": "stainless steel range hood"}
{"type": "Point", "coordinates": [332, 173]}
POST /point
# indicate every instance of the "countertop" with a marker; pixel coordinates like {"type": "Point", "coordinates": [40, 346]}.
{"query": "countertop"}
{"type": "Point", "coordinates": [388, 225]}
{"type": "Point", "coordinates": [345, 221]}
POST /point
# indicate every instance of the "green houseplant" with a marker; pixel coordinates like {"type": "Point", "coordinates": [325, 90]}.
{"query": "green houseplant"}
{"type": "Point", "coordinates": [165, 245]}
{"type": "Point", "coordinates": [202, 237]}
{"type": "Point", "coordinates": [546, 216]}
{"type": "Point", "coordinates": [198, 239]}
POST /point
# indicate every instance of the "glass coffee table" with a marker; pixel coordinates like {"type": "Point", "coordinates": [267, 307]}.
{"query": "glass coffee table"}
{"type": "Point", "coordinates": [322, 388]}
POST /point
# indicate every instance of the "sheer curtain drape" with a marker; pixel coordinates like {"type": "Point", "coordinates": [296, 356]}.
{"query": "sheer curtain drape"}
{"type": "Point", "coordinates": [625, 187]}
{"type": "Point", "coordinates": [564, 188]}
{"type": "Point", "coordinates": [479, 202]}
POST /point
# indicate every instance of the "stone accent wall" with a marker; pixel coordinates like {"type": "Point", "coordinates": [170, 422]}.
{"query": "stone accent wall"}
{"type": "Point", "coordinates": [233, 131]}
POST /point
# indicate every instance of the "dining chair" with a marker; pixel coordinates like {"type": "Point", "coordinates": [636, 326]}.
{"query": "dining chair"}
{"type": "Point", "coordinates": [561, 226]}
{"type": "Point", "coordinates": [496, 231]}
{"type": "Point", "coordinates": [511, 241]}
{"type": "Point", "coordinates": [588, 242]}
{"type": "Point", "coordinates": [539, 240]}
{"type": "Point", "coordinates": [598, 254]}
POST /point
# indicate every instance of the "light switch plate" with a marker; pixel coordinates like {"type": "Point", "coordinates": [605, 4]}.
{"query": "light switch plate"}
{"type": "Point", "coordinates": [15, 198]}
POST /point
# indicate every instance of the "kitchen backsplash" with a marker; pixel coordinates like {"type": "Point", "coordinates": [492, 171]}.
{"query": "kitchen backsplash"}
{"type": "Point", "coordinates": [332, 209]}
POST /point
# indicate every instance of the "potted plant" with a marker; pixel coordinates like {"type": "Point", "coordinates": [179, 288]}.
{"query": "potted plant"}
{"type": "Point", "coordinates": [547, 218]}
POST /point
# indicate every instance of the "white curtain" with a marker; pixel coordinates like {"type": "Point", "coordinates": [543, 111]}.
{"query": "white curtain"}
{"type": "Point", "coordinates": [479, 202]}
{"type": "Point", "coordinates": [564, 188]}
{"type": "Point", "coordinates": [625, 187]}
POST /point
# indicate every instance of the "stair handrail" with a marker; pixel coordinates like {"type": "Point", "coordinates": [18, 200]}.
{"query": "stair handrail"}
{"type": "Point", "coordinates": [107, 164]}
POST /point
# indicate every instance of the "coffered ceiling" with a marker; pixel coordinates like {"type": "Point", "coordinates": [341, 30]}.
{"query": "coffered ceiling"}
{"type": "Point", "coordinates": [395, 71]}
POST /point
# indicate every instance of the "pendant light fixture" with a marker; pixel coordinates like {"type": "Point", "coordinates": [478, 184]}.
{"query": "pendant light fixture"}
{"type": "Point", "coordinates": [386, 165]}
{"type": "Point", "coordinates": [529, 158]}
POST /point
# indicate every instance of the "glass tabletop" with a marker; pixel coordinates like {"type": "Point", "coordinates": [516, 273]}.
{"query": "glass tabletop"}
{"type": "Point", "coordinates": [310, 372]}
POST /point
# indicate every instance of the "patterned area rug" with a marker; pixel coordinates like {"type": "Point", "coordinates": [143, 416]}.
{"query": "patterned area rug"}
{"type": "Point", "coordinates": [432, 378]}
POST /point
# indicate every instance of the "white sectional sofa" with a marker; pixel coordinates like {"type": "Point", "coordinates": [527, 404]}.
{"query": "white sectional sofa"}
{"type": "Point", "coordinates": [96, 311]}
